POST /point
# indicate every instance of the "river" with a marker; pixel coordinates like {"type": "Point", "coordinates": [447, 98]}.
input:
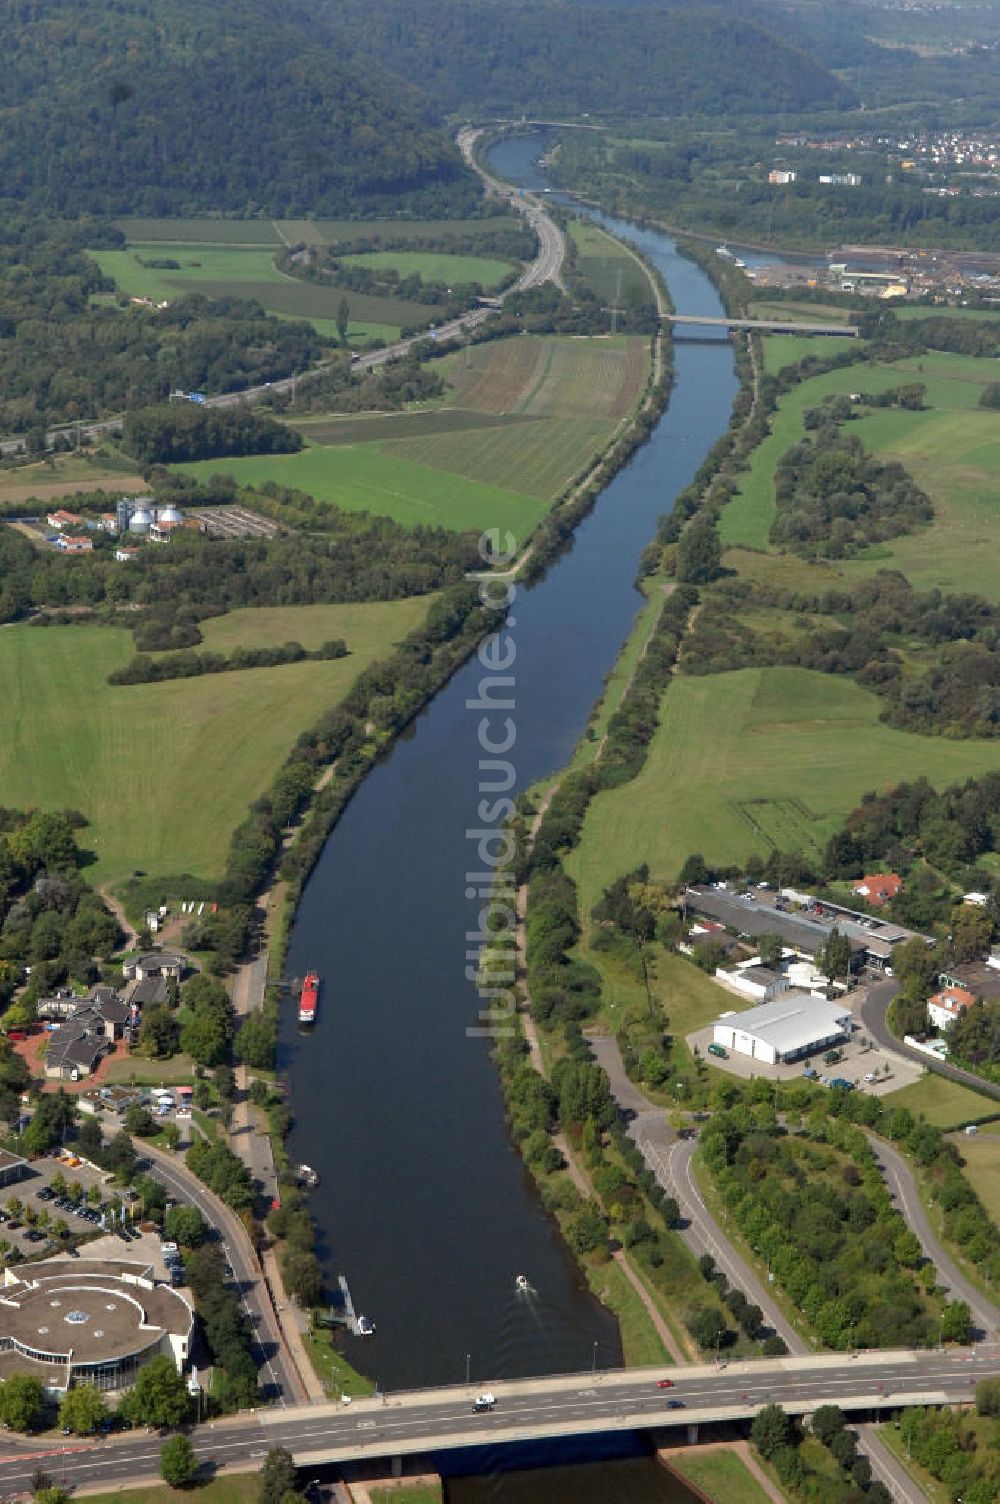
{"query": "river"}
{"type": "Point", "coordinates": [423, 1202]}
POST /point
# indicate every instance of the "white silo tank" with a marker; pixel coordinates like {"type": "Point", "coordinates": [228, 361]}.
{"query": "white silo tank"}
{"type": "Point", "coordinates": [141, 521]}
{"type": "Point", "coordinates": [169, 513]}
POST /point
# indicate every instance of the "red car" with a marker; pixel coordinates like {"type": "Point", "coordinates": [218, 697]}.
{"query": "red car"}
{"type": "Point", "coordinates": [664, 1383]}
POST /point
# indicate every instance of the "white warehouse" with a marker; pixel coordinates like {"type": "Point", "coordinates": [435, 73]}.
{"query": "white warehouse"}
{"type": "Point", "coordinates": [787, 1028]}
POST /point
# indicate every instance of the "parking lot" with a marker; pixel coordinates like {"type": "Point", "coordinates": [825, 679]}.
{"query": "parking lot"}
{"type": "Point", "coordinates": [858, 1059]}
{"type": "Point", "coordinates": [31, 1207]}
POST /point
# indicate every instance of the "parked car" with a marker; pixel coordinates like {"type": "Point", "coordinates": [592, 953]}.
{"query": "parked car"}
{"type": "Point", "coordinates": [832, 1057]}
{"type": "Point", "coordinates": [841, 1084]}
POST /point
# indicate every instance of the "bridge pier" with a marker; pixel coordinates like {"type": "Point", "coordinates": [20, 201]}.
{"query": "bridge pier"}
{"type": "Point", "coordinates": [397, 1467]}
{"type": "Point", "coordinates": [692, 1434]}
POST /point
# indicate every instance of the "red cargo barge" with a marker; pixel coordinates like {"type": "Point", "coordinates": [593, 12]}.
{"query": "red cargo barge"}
{"type": "Point", "coordinates": [309, 998]}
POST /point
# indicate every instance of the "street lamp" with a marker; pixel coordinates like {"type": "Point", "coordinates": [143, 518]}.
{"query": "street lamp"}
{"type": "Point", "coordinates": [593, 1362]}
{"type": "Point", "coordinates": [468, 1360]}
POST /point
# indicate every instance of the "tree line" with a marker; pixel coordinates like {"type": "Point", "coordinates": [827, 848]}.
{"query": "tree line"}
{"type": "Point", "coordinates": [170, 432]}
{"type": "Point", "coordinates": [146, 670]}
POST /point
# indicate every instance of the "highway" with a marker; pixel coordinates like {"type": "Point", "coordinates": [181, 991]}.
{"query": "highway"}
{"type": "Point", "coordinates": [544, 268]}
{"type": "Point", "coordinates": [873, 1017]}
{"type": "Point", "coordinates": [574, 1404]}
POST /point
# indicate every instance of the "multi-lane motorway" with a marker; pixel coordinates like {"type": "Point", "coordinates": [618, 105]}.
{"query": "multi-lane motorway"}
{"type": "Point", "coordinates": [574, 1404]}
{"type": "Point", "coordinates": [545, 267]}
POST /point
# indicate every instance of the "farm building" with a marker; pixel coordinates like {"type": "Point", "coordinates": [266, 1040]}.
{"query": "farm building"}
{"type": "Point", "coordinates": [789, 1028]}
{"type": "Point", "coordinates": [70, 543]}
{"type": "Point", "coordinates": [62, 518]}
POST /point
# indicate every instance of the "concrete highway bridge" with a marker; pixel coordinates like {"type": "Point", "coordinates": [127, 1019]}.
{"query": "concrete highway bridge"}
{"type": "Point", "coordinates": [432, 1420]}
{"type": "Point", "coordinates": [765, 326]}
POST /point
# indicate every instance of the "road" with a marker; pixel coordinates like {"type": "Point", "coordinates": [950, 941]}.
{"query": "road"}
{"type": "Point", "coordinates": [669, 1158]}
{"type": "Point", "coordinates": [281, 1382]}
{"type": "Point", "coordinates": [253, 1147]}
{"type": "Point", "coordinates": [902, 1183]}
{"type": "Point", "coordinates": [573, 1404]}
{"type": "Point", "coordinates": [873, 1017]}
{"type": "Point", "coordinates": [545, 267]}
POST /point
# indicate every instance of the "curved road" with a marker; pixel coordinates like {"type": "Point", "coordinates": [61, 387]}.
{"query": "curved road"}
{"type": "Point", "coordinates": [544, 268]}
{"type": "Point", "coordinates": [669, 1158]}
{"type": "Point", "coordinates": [281, 1380]}
{"type": "Point", "coordinates": [873, 1016]}
{"type": "Point", "coordinates": [902, 1183]}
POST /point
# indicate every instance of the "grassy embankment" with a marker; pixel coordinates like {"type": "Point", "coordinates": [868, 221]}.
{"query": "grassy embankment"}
{"type": "Point", "coordinates": [951, 449]}
{"type": "Point", "coordinates": [524, 418]}
{"type": "Point", "coordinates": [164, 772]}
{"type": "Point", "coordinates": [721, 1475]}
{"type": "Point", "coordinates": [221, 257]}
{"type": "Point", "coordinates": [611, 273]}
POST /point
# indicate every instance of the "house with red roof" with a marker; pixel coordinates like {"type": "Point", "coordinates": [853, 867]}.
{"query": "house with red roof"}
{"type": "Point", "coordinates": [879, 888]}
{"type": "Point", "coordinates": [947, 1005]}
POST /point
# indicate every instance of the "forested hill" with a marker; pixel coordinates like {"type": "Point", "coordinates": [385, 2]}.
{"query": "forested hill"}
{"type": "Point", "coordinates": [571, 56]}
{"type": "Point", "coordinates": [173, 107]}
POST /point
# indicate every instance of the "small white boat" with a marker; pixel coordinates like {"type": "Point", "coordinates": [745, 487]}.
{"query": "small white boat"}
{"type": "Point", "coordinates": [521, 1284]}
{"type": "Point", "coordinates": [366, 1327]}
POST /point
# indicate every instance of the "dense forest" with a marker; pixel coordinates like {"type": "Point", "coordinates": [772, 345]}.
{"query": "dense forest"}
{"type": "Point", "coordinates": [513, 57]}
{"type": "Point", "coordinates": [63, 357]}
{"type": "Point", "coordinates": [170, 107]}
{"type": "Point", "coordinates": [178, 430]}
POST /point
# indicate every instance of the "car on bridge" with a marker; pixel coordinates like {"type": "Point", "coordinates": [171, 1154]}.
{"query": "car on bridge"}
{"type": "Point", "coordinates": [664, 1383]}
{"type": "Point", "coordinates": [484, 1401]}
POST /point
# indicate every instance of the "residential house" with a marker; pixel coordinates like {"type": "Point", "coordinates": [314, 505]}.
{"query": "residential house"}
{"type": "Point", "coordinates": [148, 991]}
{"type": "Point", "coordinates": [76, 1049]}
{"type": "Point", "coordinates": [979, 978]}
{"type": "Point", "coordinates": [124, 554]}
{"type": "Point", "coordinates": [155, 963]}
{"type": "Point", "coordinates": [781, 176]}
{"type": "Point", "coordinates": [879, 888]}
{"type": "Point", "coordinates": [71, 543]}
{"type": "Point", "coordinates": [947, 1005]}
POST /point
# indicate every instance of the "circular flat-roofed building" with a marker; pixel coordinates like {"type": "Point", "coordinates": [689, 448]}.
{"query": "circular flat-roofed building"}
{"type": "Point", "coordinates": [83, 1321]}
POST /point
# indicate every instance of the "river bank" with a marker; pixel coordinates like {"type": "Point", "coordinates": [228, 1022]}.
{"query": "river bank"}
{"type": "Point", "coordinates": [422, 1198]}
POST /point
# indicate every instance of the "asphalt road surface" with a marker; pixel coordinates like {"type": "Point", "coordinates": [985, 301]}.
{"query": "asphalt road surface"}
{"type": "Point", "coordinates": [873, 1016]}
{"type": "Point", "coordinates": [391, 1425]}
{"type": "Point", "coordinates": [281, 1384]}
{"type": "Point", "coordinates": [544, 268]}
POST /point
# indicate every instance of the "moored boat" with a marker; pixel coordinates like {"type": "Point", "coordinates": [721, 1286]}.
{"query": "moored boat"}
{"type": "Point", "coordinates": [309, 998]}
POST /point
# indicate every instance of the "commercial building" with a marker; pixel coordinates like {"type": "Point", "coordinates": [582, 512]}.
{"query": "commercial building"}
{"type": "Point", "coordinates": [789, 1028]}
{"type": "Point", "coordinates": [155, 963]}
{"type": "Point", "coordinates": [757, 982]}
{"type": "Point", "coordinates": [89, 1321]}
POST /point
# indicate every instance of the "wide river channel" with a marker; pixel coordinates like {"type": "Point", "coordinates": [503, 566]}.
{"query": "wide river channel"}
{"type": "Point", "coordinates": [423, 1202]}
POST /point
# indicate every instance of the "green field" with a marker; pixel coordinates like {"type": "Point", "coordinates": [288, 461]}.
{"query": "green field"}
{"type": "Point", "coordinates": [165, 772]}
{"type": "Point", "coordinates": [946, 1104]}
{"type": "Point", "coordinates": [601, 260]}
{"type": "Point", "coordinates": [225, 270]}
{"type": "Point", "coordinates": [982, 1166]}
{"type": "Point", "coordinates": [748, 760]}
{"type": "Point", "coordinates": [722, 1475]}
{"type": "Point", "coordinates": [952, 449]}
{"type": "Point", "coordinates": [362, 478]}
{"type": "Point", "coordinates": [436, 266]}
{"type": "Point", "coordinates": [266, 232]}
{"type": "Point", "coordinates": [530, 414]}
